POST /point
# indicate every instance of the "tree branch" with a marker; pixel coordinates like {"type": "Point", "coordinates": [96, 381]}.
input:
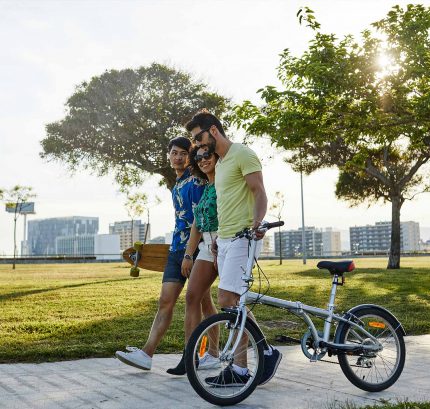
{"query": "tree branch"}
{"type": "Point", "coordinates": [414, 169]}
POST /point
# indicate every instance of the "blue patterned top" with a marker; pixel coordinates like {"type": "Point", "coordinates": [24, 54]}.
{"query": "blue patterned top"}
{"type": "Point", "coordinates": [186, 195]}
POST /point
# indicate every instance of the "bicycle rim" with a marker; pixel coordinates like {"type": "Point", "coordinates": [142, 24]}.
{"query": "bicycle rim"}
{"type": "Point", "coordinates": [374, 371]}
{"type": "Point", "coordinates": [216, 336]}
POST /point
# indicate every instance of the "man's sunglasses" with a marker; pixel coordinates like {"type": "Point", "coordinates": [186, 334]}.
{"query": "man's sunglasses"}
{"type": "Point", "coordinates": [204, 155]}
{"type": "Point", "coordinates": [198, 136]}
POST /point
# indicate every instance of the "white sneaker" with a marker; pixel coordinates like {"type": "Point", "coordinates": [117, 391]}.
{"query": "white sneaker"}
{"type": "Point", "coordinates": [135, 357]}
{"type": "Point", "coordinates": [207, 361]}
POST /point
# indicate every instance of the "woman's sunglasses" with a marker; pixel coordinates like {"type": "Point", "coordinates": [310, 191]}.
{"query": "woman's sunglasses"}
{"type": "Point", "coordinates": [204, 155]}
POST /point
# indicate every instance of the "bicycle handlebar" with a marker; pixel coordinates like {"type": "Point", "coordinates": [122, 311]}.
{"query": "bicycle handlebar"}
{"type": "Point", "coordinates": [271, 225]}
{"type": "Point", "coordinates": [263, 227]}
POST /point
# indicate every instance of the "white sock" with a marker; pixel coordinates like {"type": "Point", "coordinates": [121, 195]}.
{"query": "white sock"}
{"type": "Point", "coordinates": [269, 351]}
{"type": "Point", "coordinates": [240, 370]}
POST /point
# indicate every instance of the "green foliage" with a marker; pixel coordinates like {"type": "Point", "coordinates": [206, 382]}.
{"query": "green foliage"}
{"type": "Point", "coordinates": [69, 311]}
{"type": "Point", "coordinates": [363, 107]}
{"type": "Point", "coordinates": [122, 121]}
{"type": "Point", "coordinates": [136, 204]}
{"type": "Point", "coordinates": [17, 194]}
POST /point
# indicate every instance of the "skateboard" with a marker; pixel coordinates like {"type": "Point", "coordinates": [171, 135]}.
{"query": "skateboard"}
{"type": "Point", "coordinates": [147, 256]}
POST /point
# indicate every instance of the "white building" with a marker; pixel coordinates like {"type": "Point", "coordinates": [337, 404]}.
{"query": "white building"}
{"type": "Point", "coordinates": [82, 245]}
{"type": "Point", "coordinates": [410, 232]}
{"type": "Point", "coordinates": [107, 247]}
{"type": "Point", "coordinates": [331, 242]}
{"type": "Point", "coordinates": [103, 246]}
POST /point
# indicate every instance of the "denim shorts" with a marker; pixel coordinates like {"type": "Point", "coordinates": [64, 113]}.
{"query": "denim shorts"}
{"type": "Point", "coordinates": [172, 271]}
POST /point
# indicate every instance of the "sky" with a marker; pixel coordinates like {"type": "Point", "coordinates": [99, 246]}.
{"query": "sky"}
{"type": "Point", "coordinates": [49, 47]}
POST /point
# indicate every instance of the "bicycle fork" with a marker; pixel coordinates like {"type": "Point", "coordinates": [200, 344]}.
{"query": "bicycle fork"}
{"type": "Point", "coordinates": [241, 310]}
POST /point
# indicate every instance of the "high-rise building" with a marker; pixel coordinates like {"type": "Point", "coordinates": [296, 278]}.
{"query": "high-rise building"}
{"type": "Point", "coordinates": [129, 232]}
{"type": "Point", "coordinates": [331, 242]}
{"type": "Point", "coordinates": [378, 237]}
{"type": "Point", "coordinates": [291, 242]}
{"type": "Point", "coordinates": [43, 233]}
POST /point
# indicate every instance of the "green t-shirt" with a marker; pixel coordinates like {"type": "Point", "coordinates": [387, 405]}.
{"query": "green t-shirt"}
{"type": "Point", "coordinates": [205, 213]}
{"type": "Point", "coordinates": [235, 201]}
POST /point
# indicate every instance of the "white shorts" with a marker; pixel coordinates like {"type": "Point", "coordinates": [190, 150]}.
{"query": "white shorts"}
{"type": "Point", "coordinates": [205, 252]}
{"type": "Point", "coordinates": [231, 256]}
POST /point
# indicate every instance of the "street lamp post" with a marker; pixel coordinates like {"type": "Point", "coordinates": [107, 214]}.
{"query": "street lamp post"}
{"type": "Point", "coordinates": [303, 212]}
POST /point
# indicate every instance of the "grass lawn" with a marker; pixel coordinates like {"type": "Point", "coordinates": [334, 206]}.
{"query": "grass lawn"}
{"type": "Point", "coordinates": [67, 311]}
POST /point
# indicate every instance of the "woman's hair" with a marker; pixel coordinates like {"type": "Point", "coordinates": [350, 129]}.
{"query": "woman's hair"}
{"type": "Point", "coordinates": [195, 170]}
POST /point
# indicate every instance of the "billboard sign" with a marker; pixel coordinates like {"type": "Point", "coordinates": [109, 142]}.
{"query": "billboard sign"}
{"type": "Point", "coordinates": [22, 208]}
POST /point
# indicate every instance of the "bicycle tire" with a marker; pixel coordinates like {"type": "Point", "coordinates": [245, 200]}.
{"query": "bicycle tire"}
{"type": "Point", "coordinates": [374, 372]}
{"type": "Point", "coordinates": [223, 395]}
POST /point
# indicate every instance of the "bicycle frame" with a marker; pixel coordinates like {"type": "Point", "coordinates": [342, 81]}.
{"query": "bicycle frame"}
{"type": "Point", "coordinates": [300, 310]}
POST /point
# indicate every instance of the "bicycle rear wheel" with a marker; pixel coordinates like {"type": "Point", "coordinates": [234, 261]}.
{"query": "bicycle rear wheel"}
{"type": "Point", "coordinates": [219, 384]}
{"type": "Point", "coordinates": [374, 371]}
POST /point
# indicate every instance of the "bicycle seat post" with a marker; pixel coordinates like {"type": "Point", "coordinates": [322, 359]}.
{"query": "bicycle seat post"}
{"type": "Point", "coordinates": [248, 272]}
{"type": "Point", "coordinates": [330, 307]}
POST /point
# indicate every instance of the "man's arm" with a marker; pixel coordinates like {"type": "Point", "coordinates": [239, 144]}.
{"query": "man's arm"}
{"type": "Point", "coordinates": [255, 183]}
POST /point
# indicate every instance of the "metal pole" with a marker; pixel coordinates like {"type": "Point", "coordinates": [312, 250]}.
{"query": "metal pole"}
{"type": "Point", "coordinates": [24, 246]}
{"type": "Point", "coordinates": [280, 244]}
{"type": "Point", "coordinates": [303, 215]}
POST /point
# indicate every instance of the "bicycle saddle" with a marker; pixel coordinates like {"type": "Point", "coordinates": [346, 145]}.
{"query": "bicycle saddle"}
{"type": "Point", "coordinates": [337, 267]}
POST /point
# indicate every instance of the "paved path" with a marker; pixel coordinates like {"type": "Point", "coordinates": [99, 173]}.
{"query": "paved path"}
{"type": "Point", "coordinates": [106, 383]}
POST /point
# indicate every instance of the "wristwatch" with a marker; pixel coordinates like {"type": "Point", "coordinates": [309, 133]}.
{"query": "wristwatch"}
{"type": "Point", "coordinates": [188, 257]}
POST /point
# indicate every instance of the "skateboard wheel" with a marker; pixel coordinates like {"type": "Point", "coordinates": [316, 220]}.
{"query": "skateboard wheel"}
{"type": "Point", "coordinates": [138, 245]}
{"type": "Point", "coordinates": [134, 272]}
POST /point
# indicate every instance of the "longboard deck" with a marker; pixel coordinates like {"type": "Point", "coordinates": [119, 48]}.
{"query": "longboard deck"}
{"type": "Point", "coordinates": [152, 256]}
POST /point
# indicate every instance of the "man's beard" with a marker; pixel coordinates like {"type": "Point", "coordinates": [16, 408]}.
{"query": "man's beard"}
{"type": "Point", "coordinates": [211, 144]}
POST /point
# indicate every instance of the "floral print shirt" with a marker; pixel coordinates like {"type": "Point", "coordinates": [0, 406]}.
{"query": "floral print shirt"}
{"type": "Point", "coordinates": [205, 212]}
{"type": "Point", "coordinates": [186, 195]}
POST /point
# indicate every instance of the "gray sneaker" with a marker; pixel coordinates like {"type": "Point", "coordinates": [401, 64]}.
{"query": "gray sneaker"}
{"type": "Point", "coordinates": [207, 361]}
{"type": "Point", "coordinates": [135, 357]}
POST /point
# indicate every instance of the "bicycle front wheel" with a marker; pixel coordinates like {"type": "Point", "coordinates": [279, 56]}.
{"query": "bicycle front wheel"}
{"type": "Point", "coordinates": [373, 371]}
{"type": "Point", "coordinates": [218, 382]}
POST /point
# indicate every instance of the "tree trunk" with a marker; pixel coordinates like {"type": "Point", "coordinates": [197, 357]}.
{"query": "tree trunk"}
{"type": "Point", "coordinates": [394, 258]}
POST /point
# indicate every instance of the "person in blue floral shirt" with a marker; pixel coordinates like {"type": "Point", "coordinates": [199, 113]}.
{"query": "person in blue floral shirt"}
{"type": "Point", "coordinates": [186, 195]}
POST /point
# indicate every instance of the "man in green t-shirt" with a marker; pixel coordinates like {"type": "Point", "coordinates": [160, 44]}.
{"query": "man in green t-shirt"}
{"type": "Point", "coordinates": [241, 202]}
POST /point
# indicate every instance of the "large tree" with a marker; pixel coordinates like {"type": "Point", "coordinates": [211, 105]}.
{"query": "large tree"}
{"type": "Point", "coordinates": [121, 122]}
{"type": "Point", "coordinates": [361, 106]}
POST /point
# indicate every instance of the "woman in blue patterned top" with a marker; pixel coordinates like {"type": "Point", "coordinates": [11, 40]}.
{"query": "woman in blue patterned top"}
{"type": "Point", "coordinates": [202, 273]}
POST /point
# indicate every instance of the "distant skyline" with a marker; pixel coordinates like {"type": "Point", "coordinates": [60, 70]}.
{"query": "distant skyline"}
{"type": "Point", "coordinates": [345, 233]}
{"type": "Point", "coordinates": [50, 47]}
